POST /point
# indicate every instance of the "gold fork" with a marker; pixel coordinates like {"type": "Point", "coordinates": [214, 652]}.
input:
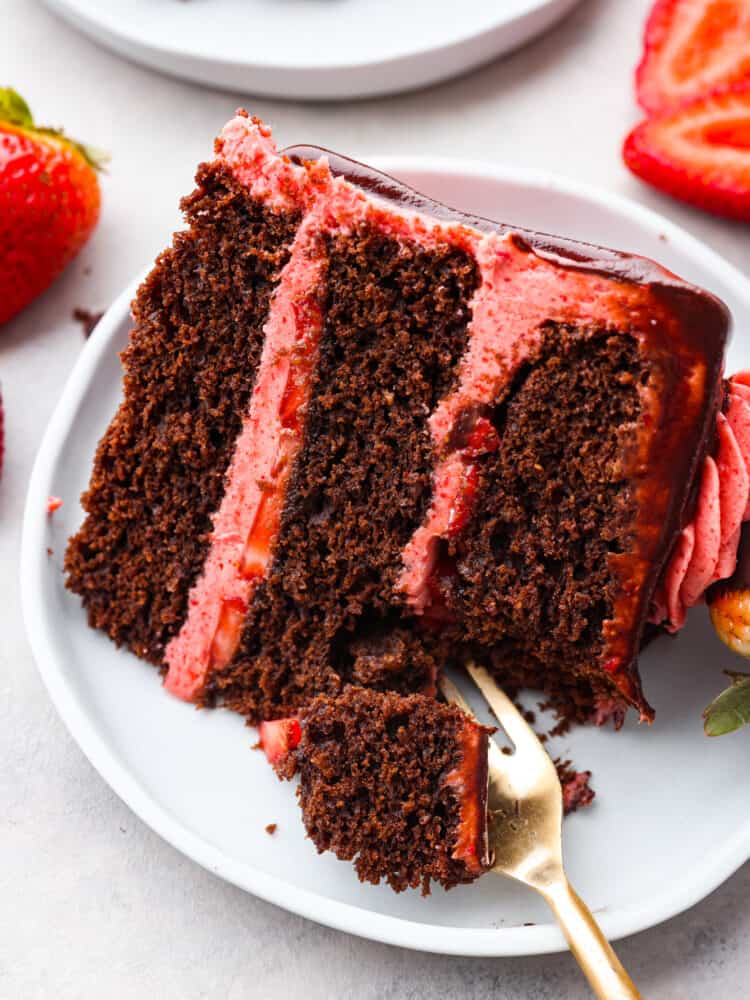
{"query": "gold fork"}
{"type": "Point", "coordinates": [524, 806]}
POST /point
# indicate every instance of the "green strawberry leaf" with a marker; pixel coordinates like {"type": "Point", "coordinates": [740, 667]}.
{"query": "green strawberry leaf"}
{"type": "Point", "coordinates": [731, 709]}
{"type": "Point", "coordinates": [14, 109]}
{"type": "Point", "coordinates": [96, 158]}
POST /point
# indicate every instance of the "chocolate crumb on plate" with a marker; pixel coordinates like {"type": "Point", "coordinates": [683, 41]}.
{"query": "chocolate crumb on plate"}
{"type": "Point", "coordinates": [87, 319]}
{"type": "Point", "coordinates": [577, 792]}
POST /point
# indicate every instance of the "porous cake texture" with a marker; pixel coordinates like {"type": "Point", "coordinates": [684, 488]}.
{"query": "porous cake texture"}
{"type": "Point", "coordinates": [397, 784]}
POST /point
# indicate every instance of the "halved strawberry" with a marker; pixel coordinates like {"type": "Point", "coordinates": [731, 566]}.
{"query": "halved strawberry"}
{"type": "Point", "coordinates": [277, 738]}
{"type": "Point", "coordinates": [691, 47]}
{"type": "Point", "coordinates": [699, 153]}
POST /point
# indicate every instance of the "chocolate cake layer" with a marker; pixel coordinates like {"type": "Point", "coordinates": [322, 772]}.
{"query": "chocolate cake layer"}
{"type": "Point", "coordinates": [189, 367]}
{"type": "Point", "coordinates": [533, 581]}
{"type": "Point", "coordinates": [396, 784]}
{"type": "Point", "coordinates": [394, 330]}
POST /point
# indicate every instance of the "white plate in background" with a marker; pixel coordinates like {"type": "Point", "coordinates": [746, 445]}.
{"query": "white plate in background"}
{"type": "Point", "coordinates": [312, 49]}
{"type": "Point", "coordinates": [672, 815]}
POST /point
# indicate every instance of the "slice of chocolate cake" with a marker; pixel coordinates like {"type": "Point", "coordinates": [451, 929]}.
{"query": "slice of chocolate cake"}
{"type": "Point", "coordinates": [364, 434]}
{"type": "Point", "coordinates": [396, 783]}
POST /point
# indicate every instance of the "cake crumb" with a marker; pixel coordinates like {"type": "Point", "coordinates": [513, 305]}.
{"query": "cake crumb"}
{"type": "Point", "coordinates": [87, 319]}
{"type": "Point", "coordinates": [50, 552]}
{"type": "Point", "coordinates": [271, 829]}
{"type": "Point", "coordinates": [576, 790]}
{"type": "Point", "coordinates": [526, 713]}
{"type": "Point", "coordinates": [563, 723]}
{"type": "Point", "coordinates": [53, 504]}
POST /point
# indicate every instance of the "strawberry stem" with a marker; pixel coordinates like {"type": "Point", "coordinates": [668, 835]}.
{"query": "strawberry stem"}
{"type": "Point", "coordinates": [15, 111]}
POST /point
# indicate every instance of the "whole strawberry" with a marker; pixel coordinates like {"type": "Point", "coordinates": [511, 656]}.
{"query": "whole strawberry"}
{"type": "Point", "coordinates": [49, 203]}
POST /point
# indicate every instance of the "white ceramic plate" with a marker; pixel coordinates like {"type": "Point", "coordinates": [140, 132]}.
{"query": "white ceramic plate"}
{"type": "Point", "coordinates": [672, 817]}
{"type": "Point", "coordinates": [312, 49]}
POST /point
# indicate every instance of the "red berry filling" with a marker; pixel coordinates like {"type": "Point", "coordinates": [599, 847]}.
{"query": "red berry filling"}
{"type": "Point", "coordinates": [265, 527]}
{"type": "Point", "coordinates": [279, 737]}
{"type": "Point", "coordinates": [481, 440]}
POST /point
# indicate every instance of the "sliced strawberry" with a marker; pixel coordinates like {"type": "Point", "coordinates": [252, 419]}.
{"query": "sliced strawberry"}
{"type": "Point", "coordinates": [228, 632]}
{"type": "Point", "coordinates": [699, 153]}
{"type": "Point", "coordinates": [277, 738]}
{"type": "Point", "coordinates": [483, 439]}
{"type": "Point", "coordinates": [691, 47]}
{"type": "Point", "coordinates": [464, 503]}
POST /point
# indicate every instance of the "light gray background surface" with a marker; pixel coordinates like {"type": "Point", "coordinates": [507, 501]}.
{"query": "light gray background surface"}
{"type": "Point", "coordinates": [92, 904]}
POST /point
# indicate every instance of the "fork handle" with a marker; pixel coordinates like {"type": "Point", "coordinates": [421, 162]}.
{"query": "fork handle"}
{"type": "Point", "coordinates": [603, 969]}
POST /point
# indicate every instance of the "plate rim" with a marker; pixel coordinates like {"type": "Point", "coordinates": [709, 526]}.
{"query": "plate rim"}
{"type": "Point", "coordinates": [534, 19]}
{"type": "Point", "coordinates": [473, 941]}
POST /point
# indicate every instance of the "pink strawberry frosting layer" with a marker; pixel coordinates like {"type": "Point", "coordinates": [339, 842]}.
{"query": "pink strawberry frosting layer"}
{"type": "Point", "coordinates": [706, 550]}
{"type": "Point", "coordinates": [248, 149]}
{"type": "Point", "coordinates": [262, 442]}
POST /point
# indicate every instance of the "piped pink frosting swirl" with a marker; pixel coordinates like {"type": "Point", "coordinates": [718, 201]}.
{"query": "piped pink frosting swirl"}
{"type": "Point", "coordinates": [706, 550]}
